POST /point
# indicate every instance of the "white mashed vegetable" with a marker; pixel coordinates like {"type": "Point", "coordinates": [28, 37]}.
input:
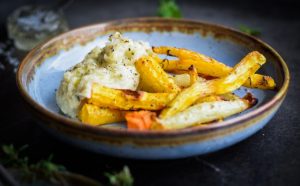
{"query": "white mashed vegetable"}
{"type": "Point", "coordinates": [111, 66]}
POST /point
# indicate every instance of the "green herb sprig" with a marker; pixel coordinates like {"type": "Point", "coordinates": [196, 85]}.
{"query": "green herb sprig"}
{"type": "Point", "coordinates": [248, 30]}
{"type": "Point", "coordinates": [47, 170]}
{"type": "Point", "coordinates": [30, 171]}
{"type": "Point", "coordinates": [122, 178]}
{"type": "Point", "coordinates": [168, 9]}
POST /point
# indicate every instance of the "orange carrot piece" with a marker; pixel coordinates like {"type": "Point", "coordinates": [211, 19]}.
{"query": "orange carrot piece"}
{"type": "Point", "coordinates": [140, 120]}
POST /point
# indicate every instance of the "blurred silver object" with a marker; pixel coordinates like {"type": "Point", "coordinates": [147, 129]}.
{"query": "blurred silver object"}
{"type": "Point", "coordinates": [30, 25]}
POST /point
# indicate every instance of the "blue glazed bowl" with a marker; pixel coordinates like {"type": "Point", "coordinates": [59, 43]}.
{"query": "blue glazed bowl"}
{"type": "Point", "coordinates": [41, 71]}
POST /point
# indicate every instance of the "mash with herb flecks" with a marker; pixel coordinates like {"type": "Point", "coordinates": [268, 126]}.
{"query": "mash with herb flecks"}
{"type": "Point", "coordinates": [111, 66]}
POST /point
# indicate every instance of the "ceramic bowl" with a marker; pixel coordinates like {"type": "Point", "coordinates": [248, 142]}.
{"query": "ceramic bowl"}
{"type": "Point", "coordinates": [41, 71]}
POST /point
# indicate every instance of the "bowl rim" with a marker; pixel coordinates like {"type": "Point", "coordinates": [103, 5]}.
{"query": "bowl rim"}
{"type": "Point", "coordinates": [71, 123]}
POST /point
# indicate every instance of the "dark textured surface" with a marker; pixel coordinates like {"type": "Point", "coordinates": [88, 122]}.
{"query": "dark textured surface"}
{"type": "Point", "coordinates": [270, 157]}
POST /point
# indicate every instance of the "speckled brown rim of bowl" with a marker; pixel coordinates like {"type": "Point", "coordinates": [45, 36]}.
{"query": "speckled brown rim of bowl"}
{"type": "Point", "coordinates": [68, 122]}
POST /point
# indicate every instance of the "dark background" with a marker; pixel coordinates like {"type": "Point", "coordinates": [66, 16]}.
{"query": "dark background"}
{"type": "Point", "coordinates": [270, 157]}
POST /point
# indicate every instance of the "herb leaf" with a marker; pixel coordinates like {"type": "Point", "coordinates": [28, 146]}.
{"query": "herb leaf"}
{"type": "Point", "coordinates": [168, 9]}
{"type": "Point", "coordinates": [248, 30]}
{"type": "Point", "coordinates": [122, 178]}
{"type": "Point", "coordinates": [12, 156]}
{"type": "Point", "coordinates": [47, 167]}
{"type": "Point", "coordinates": [8, 149]}
{"type": "Point", "coordinates": [43, 168]}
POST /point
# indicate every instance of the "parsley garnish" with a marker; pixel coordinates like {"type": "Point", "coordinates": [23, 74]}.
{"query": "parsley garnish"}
{"type": "Point", "coordinates": [122, 178]}
{"type": "Point", "coordinates": [248, 30]}
{"type": "Point", "coordinates": [168, 9]}
{"type": "Point", "coordinates": [30, 171]}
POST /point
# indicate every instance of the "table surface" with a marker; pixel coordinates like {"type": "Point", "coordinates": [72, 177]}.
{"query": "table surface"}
{"type": "Point", "coordinates": [270, 157]}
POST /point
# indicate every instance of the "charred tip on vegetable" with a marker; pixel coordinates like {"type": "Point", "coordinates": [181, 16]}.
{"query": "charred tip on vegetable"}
{"type": "Point", "coordinates": [169, 53]}
{"type": "Point", "coordinates": [133, 94]}
{"type": "Point", "coordinates": [264, 81]}
{"type": "Point", "coordinates": [251, 99]}
{"type": "Point", "coordinates": [191, 68]}
{"type": "Point", "coordinates": [250, 81]}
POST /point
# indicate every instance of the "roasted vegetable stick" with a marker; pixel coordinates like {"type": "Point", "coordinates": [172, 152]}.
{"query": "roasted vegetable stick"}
{"type": "Point", "coordinates": [203, 113]}
{"type": "Point", "coordinates": [260, 82]}
{"type": "Point", "coordinates": [229, 97]}
{"type": "Point", "coordinates": [254, 81]}
{"type": "Point", "coordinates": [223, 97]}
{"type": "Point", "coordinates": [181, 80]}
{"type": "Point", "coordinates": [241, 72]}
{"type": "Point", "coordinates": [207, 66]}
{"type": "Point", "coordinates": [193, 74]}
{"type": "Point", "coordinates": [209, 98]}
{"type": "Point", "coordinates": [153, 78]}
{"type": "Point", "coordinates": [93, 115]}
{"type": "Point", "coordinates": [127, 99]}
{"type": "Point", "coordinates": [185, 78]}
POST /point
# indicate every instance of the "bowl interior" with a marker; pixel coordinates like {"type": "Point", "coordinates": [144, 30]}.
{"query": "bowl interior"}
{"type": "Point", "coordinates": [42, 75]}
